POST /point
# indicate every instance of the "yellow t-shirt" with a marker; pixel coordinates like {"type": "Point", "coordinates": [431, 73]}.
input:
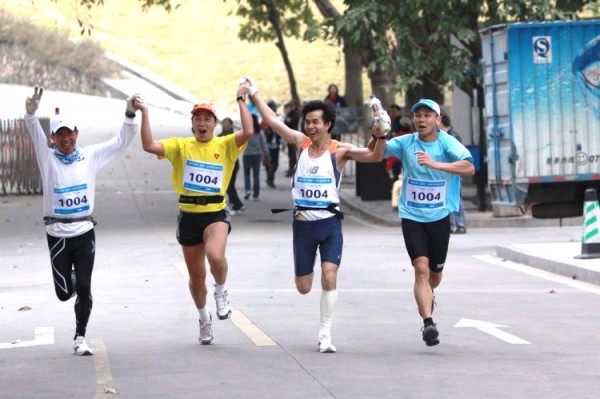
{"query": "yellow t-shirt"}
{"type": "Point", "coordinates": [202, 169]}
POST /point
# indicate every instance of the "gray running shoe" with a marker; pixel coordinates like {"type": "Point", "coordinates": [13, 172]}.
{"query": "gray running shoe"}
{"type": "Point", "coordinates": [223, 305]}
{"type": "Point", "coordinates": [430, 334]}
{"type": "Point", "coordinates": [206, 333]}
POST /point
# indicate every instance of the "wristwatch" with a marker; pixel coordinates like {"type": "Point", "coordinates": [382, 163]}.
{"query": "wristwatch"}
{"type": "Point", "coordinates": [243, 98]}
{"type": "Point", "coordinates": [379, 137]}
{"type": "Point", "coordinates": [130, 114]}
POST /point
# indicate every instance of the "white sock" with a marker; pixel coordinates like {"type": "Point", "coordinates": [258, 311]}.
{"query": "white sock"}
{"type": "Point", "coordinates": [219, 288]}
{"type": "Point", "coordinates": [328, 301]}
{"type": "Point", "coordinates": [204, 315]}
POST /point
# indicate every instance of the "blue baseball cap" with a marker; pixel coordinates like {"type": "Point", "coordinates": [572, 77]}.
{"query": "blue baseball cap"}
{"type": "Point", "coordinates": [432, 105]}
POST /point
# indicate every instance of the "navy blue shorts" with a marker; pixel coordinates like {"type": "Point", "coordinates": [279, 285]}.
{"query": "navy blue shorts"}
{"type": "Point", "coordinates": [190, 226]}
{"type": "Point", "coordinates": [325, 234]}
{"type": "Point", "coordinates": [429, 240]}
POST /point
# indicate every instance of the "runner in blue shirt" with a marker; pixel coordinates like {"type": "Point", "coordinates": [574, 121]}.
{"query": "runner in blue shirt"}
{"type": "Point", "coordinates": [432, 163]}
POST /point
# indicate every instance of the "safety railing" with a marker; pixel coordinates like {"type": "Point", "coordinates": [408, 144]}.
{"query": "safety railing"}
{"type": "Point", "coordinates": [19, 173]}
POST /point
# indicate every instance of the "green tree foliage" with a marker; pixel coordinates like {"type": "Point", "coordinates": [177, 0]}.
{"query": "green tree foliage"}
{"type": "Point", "coordinates": [293, 18]}
{"type": "Point", "coordinates": [427, 44]}
{"type": "Point", "coordinates": [274, 20]}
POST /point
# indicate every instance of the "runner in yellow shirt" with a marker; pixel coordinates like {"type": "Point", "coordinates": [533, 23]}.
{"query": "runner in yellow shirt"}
{"type": "Point", "coordinates": [202, 168]}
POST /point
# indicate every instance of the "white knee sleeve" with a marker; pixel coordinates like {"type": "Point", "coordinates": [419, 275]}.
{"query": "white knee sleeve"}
{"type": "Point", "coordinates": [328, 301]}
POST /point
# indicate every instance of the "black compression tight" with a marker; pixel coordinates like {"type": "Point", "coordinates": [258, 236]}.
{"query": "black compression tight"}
{"type": "Point", "coordinates": [74, 253]}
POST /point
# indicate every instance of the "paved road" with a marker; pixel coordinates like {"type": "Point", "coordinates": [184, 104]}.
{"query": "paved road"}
{"type": "Point", "coordinates": [506, 330]}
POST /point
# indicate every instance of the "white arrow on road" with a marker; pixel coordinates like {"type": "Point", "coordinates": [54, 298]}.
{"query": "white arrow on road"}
{"type": "Point", "coordinates": [492, 329]}
{"type": "Point", "coordinates": [43, 336]}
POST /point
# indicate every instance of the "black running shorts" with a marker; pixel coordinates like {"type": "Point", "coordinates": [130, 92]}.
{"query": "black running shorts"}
{"type": "Point", "coordinates": [429, 240]}
{"type": "Point", "coordinates": [190, 226]}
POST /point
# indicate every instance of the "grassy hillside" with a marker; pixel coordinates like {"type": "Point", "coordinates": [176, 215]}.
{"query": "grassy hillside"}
{"type": "Point", "coordinates": [195, 46]}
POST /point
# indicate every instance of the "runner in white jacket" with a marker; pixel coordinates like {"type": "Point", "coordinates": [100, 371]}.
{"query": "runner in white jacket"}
{"type": "Point", "coordinates": [69, 181]}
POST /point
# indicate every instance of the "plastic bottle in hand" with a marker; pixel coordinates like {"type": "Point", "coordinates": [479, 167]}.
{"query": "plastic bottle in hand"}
{"type": "Point", "coordinates": [379, 115]}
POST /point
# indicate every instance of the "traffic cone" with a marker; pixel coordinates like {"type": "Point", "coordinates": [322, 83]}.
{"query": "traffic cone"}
{"type": "Point", "coordinates": [590, 241]}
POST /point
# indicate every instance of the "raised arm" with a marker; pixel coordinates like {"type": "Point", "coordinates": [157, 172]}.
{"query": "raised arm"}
{"type": "Point", "coordinates": [127, 131]}
{"type": "Point", "coordinates": [373, 152]}
{"type": "Point", "coordinates": [247, 131]}
{"type": "Point", "coordinates": [148, 143]}
{"type": "Point", "coordinates": [107, 151]}
{"type": "Point", "coordinates": [38, 137]}
{"type": "Point", "coordinates": [290, 135]}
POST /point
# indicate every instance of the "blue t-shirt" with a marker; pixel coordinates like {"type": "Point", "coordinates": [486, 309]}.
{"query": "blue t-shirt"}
{"type": "Point", "coordinates": [428, 195]}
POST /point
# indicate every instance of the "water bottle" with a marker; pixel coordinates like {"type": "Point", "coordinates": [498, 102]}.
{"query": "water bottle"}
{"type": "Point", "coordinates": [378, 112]}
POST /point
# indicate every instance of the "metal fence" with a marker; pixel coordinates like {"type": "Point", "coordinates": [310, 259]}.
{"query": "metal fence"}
{"type": "Point", "coordinates": [349, 172]}
{"type": "Point", "coordinates": [19, 173]}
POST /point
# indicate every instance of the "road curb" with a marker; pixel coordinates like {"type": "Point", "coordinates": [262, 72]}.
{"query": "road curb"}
{"type": "Point", "coordinates": [574, 269]}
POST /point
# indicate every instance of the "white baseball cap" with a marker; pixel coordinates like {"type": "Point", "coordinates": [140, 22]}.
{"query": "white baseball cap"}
{"type": "Point", "coordinates": [56, 124]}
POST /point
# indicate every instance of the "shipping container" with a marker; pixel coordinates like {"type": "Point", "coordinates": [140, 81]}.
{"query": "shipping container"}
{"type": "Point", "coordinates": [542, 110]}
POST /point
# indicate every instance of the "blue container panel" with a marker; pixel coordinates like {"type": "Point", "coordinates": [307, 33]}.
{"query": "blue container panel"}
{"type": "Point", "coordinates": [554, 72]}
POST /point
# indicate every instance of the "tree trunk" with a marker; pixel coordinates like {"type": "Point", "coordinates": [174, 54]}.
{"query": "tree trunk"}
{"type": "Point", "coordinates": [280, 43]}
{"type": "Point", "coordinates": [353, 65]}
{"type": "Point", "coordinates": [383, 86]}
{"type": "Point", "coordinates": [353, 61]}
{"type": "Point", "coordinates": [426, 90]}
{"type": "Point", "coordinates": [471, 13]}
{"type": "Point", "coordinates": [429, 87]}
{"type": "Point", "coordinates": [326, 9]}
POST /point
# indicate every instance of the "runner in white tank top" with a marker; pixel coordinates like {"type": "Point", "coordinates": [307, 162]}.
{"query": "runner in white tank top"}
{"type": "Point", "coordinates": [316, 182]}
{"type": "Point", "coordinates": [316, 185]}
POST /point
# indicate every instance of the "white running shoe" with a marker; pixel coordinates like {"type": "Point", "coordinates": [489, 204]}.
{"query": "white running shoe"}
{"type": "Point", "coordinates": [325, 345]}
{"type": "Point", "coordinates": [81, 347]}
{"type": "Point", "coordinates": [206, 333]}
{"type": "Point", "coordinates": [223, 305]}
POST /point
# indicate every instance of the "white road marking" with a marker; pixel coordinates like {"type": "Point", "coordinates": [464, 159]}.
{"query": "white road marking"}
{"type": "Point", "coordinates": [580, 285]}
{"type": "Point", "coordinates": [43, 336]}
{"type": "Point", "coordinates": [492, 329]}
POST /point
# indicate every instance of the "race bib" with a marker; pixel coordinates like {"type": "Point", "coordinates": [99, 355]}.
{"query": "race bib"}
{"type": "Point", "coordinates": [312, 191]}
{"type": "Point", "coordinates": [70, 200]}
{"type": "Point", "coordinates": [203, 177]}
{"type": "Point", "coordinates": [426, 194]}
